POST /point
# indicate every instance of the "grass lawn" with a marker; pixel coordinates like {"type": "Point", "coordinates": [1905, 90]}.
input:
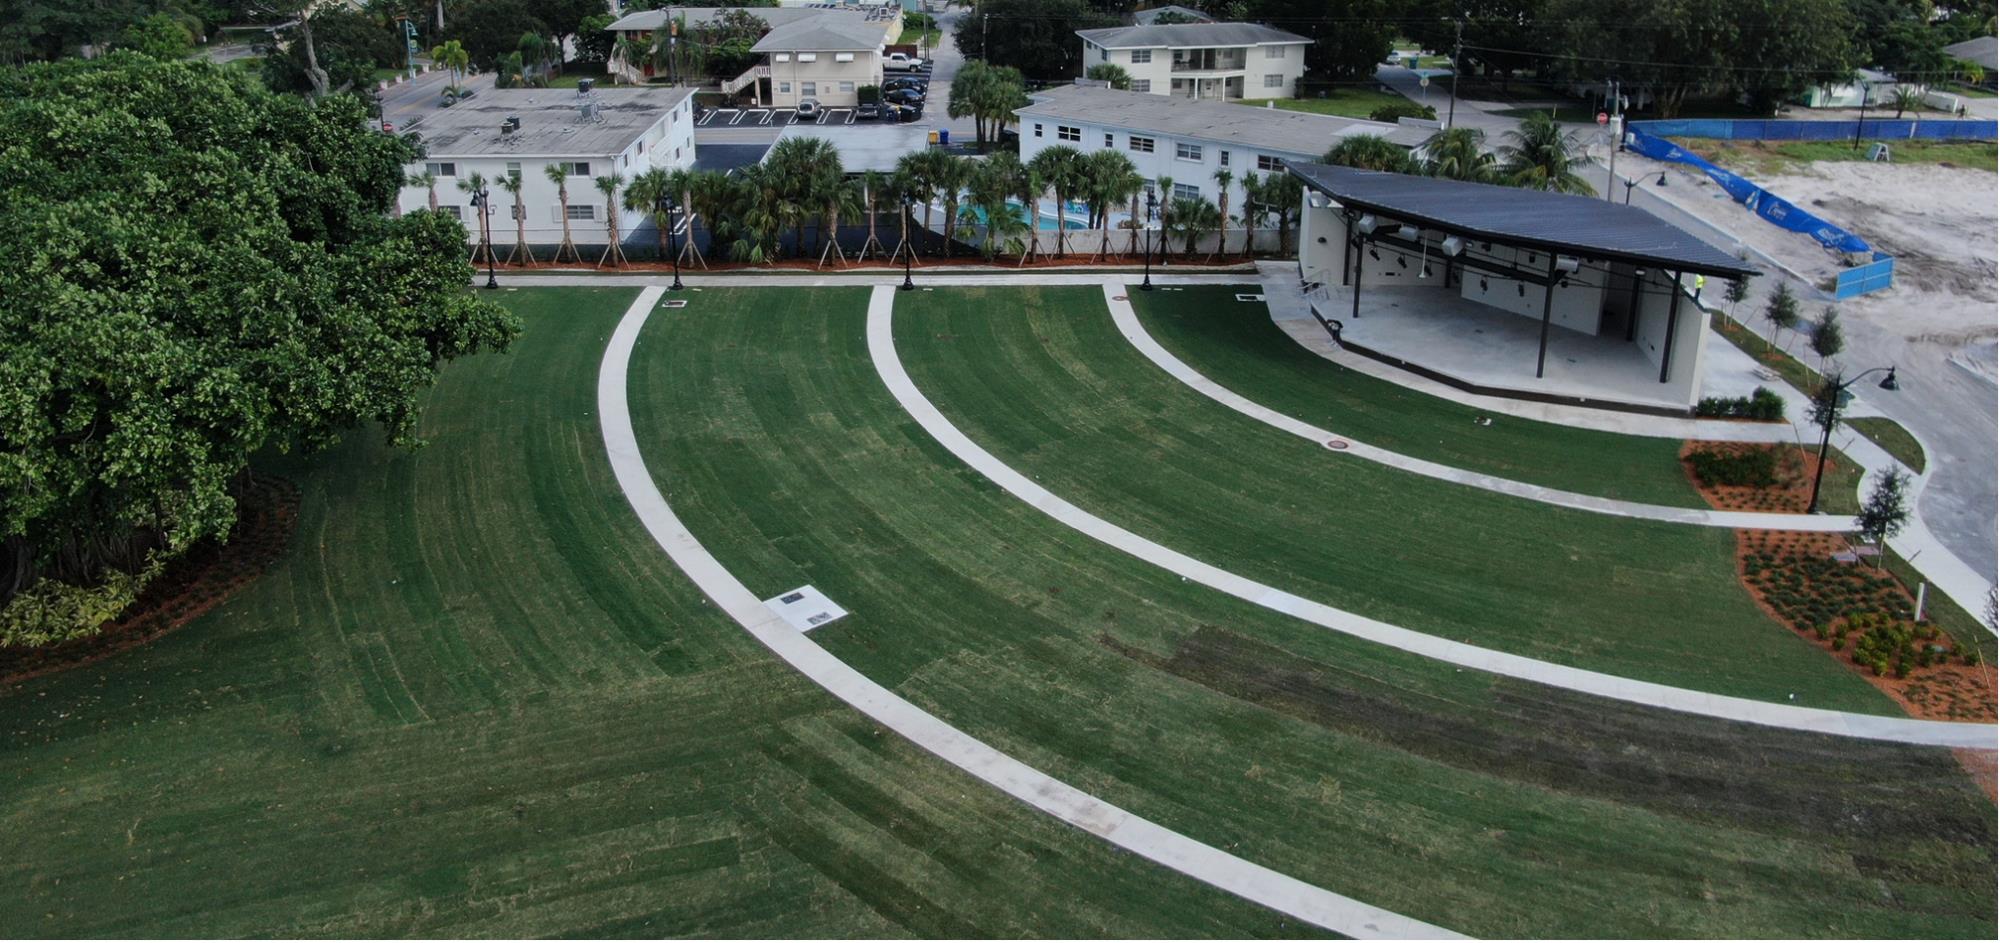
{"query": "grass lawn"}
{"type": "Point", "coordinates": [1236, 345]}
{"type": "Point", "coordinates": [1491, 807]}
{"type": "Point", "coordinates": [1346, 102]}
{"type": "Point", "coordinates": [1568, 111]}
{"type": "Point", "coordinates": [1892, 438]}
{"type": "Point", "coordinates": [911, 36]}
{"type": "Point", "coordinates": [475, 699]}
{"type": "Point", "coordinates": [1043, 379]}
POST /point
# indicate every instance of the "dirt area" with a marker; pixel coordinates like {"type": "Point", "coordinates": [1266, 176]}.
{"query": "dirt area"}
{"type": "Point", "coordinates": [194, 584]}
{"type": "Point", "coordinates": [1939, 223]}
{"type": "Point", "coordinates": [1853, 611]}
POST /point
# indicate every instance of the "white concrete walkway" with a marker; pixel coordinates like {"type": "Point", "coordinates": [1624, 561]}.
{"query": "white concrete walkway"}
{"type": "Point", "coordinates": [1204, 863]}
{"type": "Point", "coordinates": [1128, 325]}
{"type": "Point", "coordinates": [882, 349]}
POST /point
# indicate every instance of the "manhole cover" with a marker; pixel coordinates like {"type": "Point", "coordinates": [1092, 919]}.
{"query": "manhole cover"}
{"type": "Point", "coordinates": [1119, 298]}
{"type": "Point", "coordinates": [1336, 444]}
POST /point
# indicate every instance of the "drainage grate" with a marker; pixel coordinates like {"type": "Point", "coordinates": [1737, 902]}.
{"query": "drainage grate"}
{"type": "Point", "coordinates": [675, 303]}
{"type": "Point", "coordinates": [1249, 297]}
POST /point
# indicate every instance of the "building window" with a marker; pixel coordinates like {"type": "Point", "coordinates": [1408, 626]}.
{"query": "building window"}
{"type": "Point", "coordinates": [1274, 52]}
{"type": "Point", "coordinates": [1142, 85]}
{"type": "Point", "coordinates": [808, 89]}
{"type": "Point", "coordinates": [1103, 54]}
{"type": "Point", "coordinates": [782, 57]}
{"type": "Point", "coordinates": [446, 169]}
{"type": "Point", "coordinates": [1222, 158]}
{"type": "Point", "coordinates": [1142, 145]}
{"type": "Point", "coordinates": [579, 168]}
{"type": "Point", "coordinates": [1274, 81]}
{"type": "Point", "coordinates": [784, 88]}
{"type": "Point", "coordinates": [1141, 56]}
{"type": "Point", "coordinates": [808, 57]}
{"type": "Point", "coordinates": [843, 57]}
{"type": "Point", "coordinates": [847, 86]}
{"type": "Point", "coordinates": [517, 211]}
{"type": "Point", "coordinates": [1107, 139]}
{"type": "Point", "coordinates": [1266, 162]}
{"type": "Point", "coordinates": [1187, 151]}
{"type": "Point", "coordinates": [1066, 133]}
{"type": "Point", "coordinates": [513, 169]}
{"type": "Point", "coordinates": [586, 211]}
{"type": "Point", "coordinates": [452, 210]}
{"type": "Point", "coordinates": [1038, 129]}
{"type": "Point", "coordinates": [1186, 191]}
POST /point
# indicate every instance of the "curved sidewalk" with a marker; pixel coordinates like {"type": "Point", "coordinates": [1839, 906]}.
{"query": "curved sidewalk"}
{"type": "Point", "coordinates": [1140, 836]}
{"type": "Point", "coordinates": [1128, 325]}
{"type": "Point", "coordinates": [882, 349]}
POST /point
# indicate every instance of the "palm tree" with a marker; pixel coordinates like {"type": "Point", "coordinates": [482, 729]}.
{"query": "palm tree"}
{"type": "Point", "coordinates": [521, 253]}
{"type": "Point", "coordinates": [558, 174]}
{"type": "Point", "coordinates": [1907, 98]}
{"type": "Point", "coordinates": [1370, 152]}
{"type": "Point", "coordinates": [648, 193]}
{"type": "Point", "coordinates": [474, 185]}
{"type": "Point", "coordinates": [1166, 185]}
{"type": "Point", "coordinates": [1193, 215]}
{"type": "Point", "coordinates": [1061, 170]}
{"type": "Point", "coordinates": [1223, 178]}
{"type": "Point", "coordinates": [914, 181]}
{"type": "Point", "coordinates": [994, 182]}
{"type": "Point", "coordinates": [1458, 154]}
{"type": "Point", "coordinates": [841, 199]}
{"type": "Point", "coordinates": [899, 186]}
{"type": "Point", "coordinates": [807, 171]}
{"type": "Point", "coordinates": [872, 183]}
{"type": "Point", "coordinates": [1540, 155]}
{"type": "Point", "coordinates": [429, 181]}
{"type": "Point", "coordinates": [950, 174]}
{"type": "Point", "coordinates": [1250, 214]}
{"type": "Point", "coordinates": [1110, 181]}
{"type": "Point", "coordinates": [625, 50]}
{"type": "Point", "coordinates": [452, 55]}
{"type": "Point", "coordinates": [614, 251]}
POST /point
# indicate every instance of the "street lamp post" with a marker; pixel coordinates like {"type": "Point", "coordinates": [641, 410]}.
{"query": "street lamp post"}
{"type": "Point", "coordinates": [483, 201]}
{"type": "Point", "coordinates": [907, 284]}
{"type": "Point", "coordinates": [671, 211]}
{"type": "Point", "coordinates": [1152, 213]}
{"type": "Point", "coordinates": [1828, 414]}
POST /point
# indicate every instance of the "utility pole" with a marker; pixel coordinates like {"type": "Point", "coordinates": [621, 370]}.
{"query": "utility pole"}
{"type": "Point", "coordinates": [984, 53]}
{"type": "Point", "coordinates": [1457, 46]}
{"type": "Point", "coordinates": [1617, 126]}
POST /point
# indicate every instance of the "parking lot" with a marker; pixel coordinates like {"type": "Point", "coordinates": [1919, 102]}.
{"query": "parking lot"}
{"type": "Point", "coordinates": [718, 118]}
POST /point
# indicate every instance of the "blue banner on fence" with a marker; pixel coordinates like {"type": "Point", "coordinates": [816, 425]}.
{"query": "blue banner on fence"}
{"type": "Point", "coordinates": [1775, 209]}
{"type": "Point", "coordinates": [1874, 129]}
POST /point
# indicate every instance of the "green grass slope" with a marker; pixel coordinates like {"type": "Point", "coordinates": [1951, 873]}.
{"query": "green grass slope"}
{"type": "Point", "coordinates": [1235, 344]}
{"type": "Point", "coordinates": [476, 699]}
{"type": "Point", "coordinates": [1042, 378]}
{"type": "Point", "coordinates": [1492, 807]}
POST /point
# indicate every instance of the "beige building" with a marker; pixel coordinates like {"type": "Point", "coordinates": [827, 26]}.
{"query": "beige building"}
{"type": "Point", "coordinates": [1202, 60]}
{"type": "Point", "coordinates": [825, 59]}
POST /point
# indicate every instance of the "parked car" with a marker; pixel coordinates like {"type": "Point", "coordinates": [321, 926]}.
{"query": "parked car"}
{"type": "Point", "coordinates": [905, 113]}
{"type": "Point", "coordinates": [904, 96]}
{"type": "Point", "coordinates": [907, 81]}
{"type": "Point", "coordinates": [808, 108]}
{"type": "Point", "coordinates": [903, 62]}
{"type": "Point", "coordinates": [868, 112]}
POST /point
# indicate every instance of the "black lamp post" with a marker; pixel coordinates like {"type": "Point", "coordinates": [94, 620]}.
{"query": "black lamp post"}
{"type": "Point", "coordinates": [1629, 184]}
{"type": "Point", "coordinates": [483, 201]}
{"type": "Point", "coordinates": [1152, 213]}
{"type": "Point", "coordinates": [1828, 411]}
{"type": "Point", "coordinates": [907, 284]}
{"type": "Point", "coordinates": [671, 211]}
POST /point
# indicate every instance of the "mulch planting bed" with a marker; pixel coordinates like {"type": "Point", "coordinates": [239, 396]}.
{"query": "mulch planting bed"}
{"type": "Point", "coordinates": [1792, 473]}
{"type": "Point", "coordinates": [202, 579]}
{"type": "Point", "coordinates": [1854, 611]}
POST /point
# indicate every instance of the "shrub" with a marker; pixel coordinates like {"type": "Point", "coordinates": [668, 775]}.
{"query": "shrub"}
{"type": "Point", "coordinates": [1752, 468]}
{"type": "Point", "coordinates": [53, 611]}
{"type": "Point", "coordinates": [1390, 112]}
{"type": "Point", "coordinates": [1761, 405]}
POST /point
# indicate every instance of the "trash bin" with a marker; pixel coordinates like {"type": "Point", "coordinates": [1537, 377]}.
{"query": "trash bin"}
{"type": "Point", "coordinates": [932, 138]}
{"type": "Point", "coordinates": [944, 137]}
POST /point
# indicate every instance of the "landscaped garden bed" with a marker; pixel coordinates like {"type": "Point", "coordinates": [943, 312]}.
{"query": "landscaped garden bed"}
{"type": "Point", "coordinates": [1751, 476]}
{"type": "Point", "coordinates": [193, 584]}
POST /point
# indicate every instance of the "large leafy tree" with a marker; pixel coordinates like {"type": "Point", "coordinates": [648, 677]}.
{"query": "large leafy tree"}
{"type": "Point", "coordinates": [1540, 155]}
{"type": "Point", "coordinates": [1350, 37]}
{"type": "Point", "coordinates": [193, 269]}
{"type": "Point", "coordinates": [1370, 152]}
{"type": "Point", "coordinates": [1765, 50]}
{"type": "Point", "coordinates": [490, 29]}
{"type": "Point", "coordinates": [988, 94]}
{"type": "Point", "coordinates": [1038, 37]}
{"type": "Point", "coordinates": [348, 45]}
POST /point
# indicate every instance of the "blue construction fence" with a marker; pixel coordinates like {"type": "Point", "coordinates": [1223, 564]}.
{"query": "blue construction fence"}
{"type": "Point", "coordinates": [1862, 279]}
{"type": "Point", "coordinates": [1875, 129]}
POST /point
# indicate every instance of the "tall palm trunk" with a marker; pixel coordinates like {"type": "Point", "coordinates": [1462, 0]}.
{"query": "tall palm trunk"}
{"type": "Point", "coordinates": [1062, 222]}
{"type": "Point", "coordinates": [1222, 222]}
{"type": "Point", "coordinates": [1132, 248]}
{"type": "Point", "coordinates": [521, 233]}
{"type": "Point", "coordinates": [562, 195]}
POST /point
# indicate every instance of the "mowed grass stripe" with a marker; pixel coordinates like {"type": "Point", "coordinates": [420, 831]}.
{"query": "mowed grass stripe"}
{"type": "Point", "coordinates": [1653, 601]}
{"type": "Point", "coordinates": [1487, 806]}
{"type": "Point", "coordinates": [1236, 345]}
{"type": "Point", "coordinates": [474, 698]}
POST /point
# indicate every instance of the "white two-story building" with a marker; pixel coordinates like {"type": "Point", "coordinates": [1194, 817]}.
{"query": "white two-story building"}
{"type": "Point", "coordinates": [826, 59]}
{"type": "Point", "coordinates": [1202, 60]}
{"type": "Point", "coordinates": [625, 131]}
{"type": "Point", "coordinates": [1188, 141]}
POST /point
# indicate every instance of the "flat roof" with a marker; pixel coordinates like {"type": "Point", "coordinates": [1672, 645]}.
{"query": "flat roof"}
{"type": "Point", "coordinates": [1557, 222]}
{"type": "Point", "coordinates": [727, 157]}
{"type": "Point", "coordinates": [552, 123]}
{"type": "Point", "coordinates": [1189, 35]}
{"type": "Point", "coordinates": [1268, 129]}
{"type": "Point", "coordinates": [867, 145]}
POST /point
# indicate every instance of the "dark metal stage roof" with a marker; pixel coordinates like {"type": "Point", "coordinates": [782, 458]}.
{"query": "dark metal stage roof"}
{"type": "Point", "coordinates": [1557, 222]}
